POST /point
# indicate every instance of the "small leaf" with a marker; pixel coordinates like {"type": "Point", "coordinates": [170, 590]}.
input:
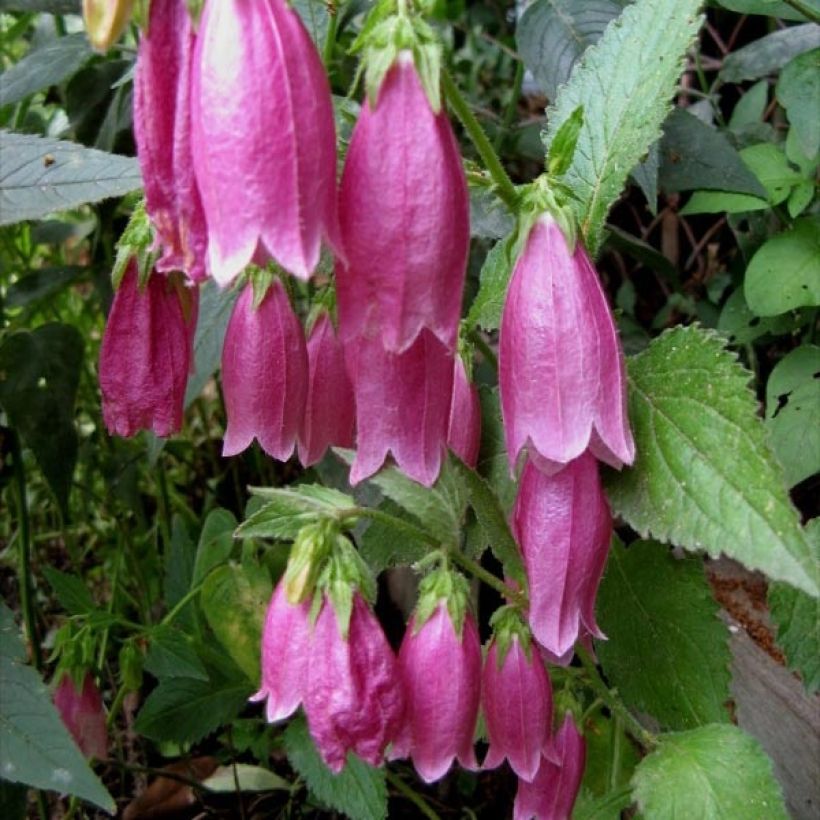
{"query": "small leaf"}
{"type": "Point", "coordinates": [751, 107]}
{"type": "Point", "coordinates": [769, 53]}
{"type": "Point", "coordinates": [493, 463]}
{"type": "Point", "coordinates": [244, 778]}
{"type": "Point", "coordinates": [171, 654]}
{"type": "Point", "coordinates": [383, 545]}
{"type": "Point", "coordinates": [712, 773]}
{"type": "Point", "coordinates": [494, 277]}
{"type": "Point", "coordinates": [562, 147]}
{"type": "Point", "coordinates": [71, 591]}
{"type": "Point", "coordinates": [798, 91]}
{"type": "Point", "coordinates": [216, 542]}
{"type": "Point", "coordinates": [704, 478]}
{"type": "Point", "coordinates": [489, 216]}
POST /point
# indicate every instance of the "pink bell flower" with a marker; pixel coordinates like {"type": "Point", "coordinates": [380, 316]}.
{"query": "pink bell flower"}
{"type": "Point", "coordinates": [264, 138]}
{"type": "Point", "coordinates": [402, 406]}
{"type": "Point", "coordinates": [162, 129]}
{"type": "Point", "coordinates": [404, 215]}
{"type": "Point", "coordinates": [329, 410]}
{"type": "Point", "coordinates": [354, 700]}
{"type": "Point", "coordinates": [563, 526]}
{"type": "Point", "coordinates": [147, 354]}
{"type": "Point", "coordinates": [264, 374]}
{"type": "Point", "coordinates": [464, 428]}
{"type": "Point", "coordinates": [441, 672]}
{"type": "Point", "coordinates": [285, 655]}
{"type": "Point", "coordinates": [83, 714]}
{"type": "Point", "coordinates": [516, 697]}
{"type": "Point", "coordinates": [561, 369]}
{"type": "Point", "coordinates": [551, 795]}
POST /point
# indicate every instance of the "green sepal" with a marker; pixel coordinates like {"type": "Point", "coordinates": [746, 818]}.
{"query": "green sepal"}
{"type": "Point", "coordinates": [447, 585]}
{"type": "Point", "coordinates": [311, 548]}
{"type": "Point", "coordinates": [131, 663]}
{"type": "Point", "coordinates": [508, 625]}
{"type": "Point", "coordinates": [74, 650]}
{"type": "Point", "coordinates": [137, 241]}
{"type": "Point", "coordinates": [545, 196]}
{"type": "Point", "coordinates": [195, 10]}
{"type": "Point", "coordinates": [261, 280]}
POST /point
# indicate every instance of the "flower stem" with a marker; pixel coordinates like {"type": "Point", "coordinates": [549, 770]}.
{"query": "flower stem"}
{"type": "Point", "coordinates": [413, 796]}
{"type": "Point", "coordinates": [488, 578]}
{"type": "Point", "coordinates": [504, 187]}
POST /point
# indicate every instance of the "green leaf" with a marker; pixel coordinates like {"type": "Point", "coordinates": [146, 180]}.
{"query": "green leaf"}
{"type": "Point", "coordinates": [50, 6]}
{"type": "Point", "coordinates": [245, 778]}
{"type": "Point", "coordinates": [359, 790]}
{"type": "Point", "coordinates": [493, 463]}
{"type": "Point", "coordinates": [43, 67]}
{"type": "Point", "coordinates": [39, 374]}
{"type": "Point", "coordinates": [383, 545]}
{"type": "Point", "coordinates": [769, 53]}
{"type": "Point", "coordinates": [712, 773]}
{"type": "Point", "coordinates": [785, 272]}
{"type": "Point", "coordinates": [171, 654]}
{"type": "Point", "coordinates": [704, 477]}
{"type": "Point", "coordinates": [43, 175]}
{"type": "Point", "coordinates": [798, 622]}
{"type": "Point", "coordinates": [495, 275]}
{"type": "Point", "coordinates": [41, 284]}
{"type": "Point", "coordinates": [798, 91]}
{"type": "Point", "coordinates": [35, 746]}
{"type": "Point", "coordinates": [234, 600]}
{"type": "Point", "coordinates": [708, 202]}
{"type": "Point", "coordinates": [741, 326]}
{"type": "Point", "coordinates": [611, 757]}
{"type": "Point", "coordinates": [625, 83]}
{"type": "Point", "coordinates": [552, 35]}
{"type": "Point", "coordinates": [71, 591]}
{"type": "Point", "coordinates": [179, 563]}
{"type": "Point", "coordinates": [771, 8]}
{"type": "Point", "coordinates": [216, 542]}
{"type": "Point", "coordinates": [562, 147]}
{"type": "Point", "coordinates": [750, 108]}
{"type": "Point", "coordinates": [770, 166]}
{"type": "Point", "coordinates": [667, 653]}
{"type": "Point", "coordinates": [489, 216]}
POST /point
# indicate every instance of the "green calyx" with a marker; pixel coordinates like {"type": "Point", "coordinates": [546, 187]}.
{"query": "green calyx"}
{"type": "Point", "coordinates": [447, 585]}
{"type": "Point", "coordinates": [545, 196]}
{"type": "Point", "coordinates": [310, 550]}
{"type": "Point", "coordinates": [508, 625]}
{"type": "Point", "coordinates": [137, 242]}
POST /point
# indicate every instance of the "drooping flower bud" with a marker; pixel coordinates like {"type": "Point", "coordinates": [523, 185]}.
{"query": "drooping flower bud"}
{"type": "Point", "coordinates": [285, 655]}
{"type": "Point", "coordinates": [264, 374]}
{"type": "Point", "coordinates": [264, 138]}
{"type": "Point", "coordinates": [354, 700]}
{"type": "Point", "coordinates": [561, 370]}
{"type": "Point", "coordinates": [404, 214]}
{"type": "Point", "coordinates": [563, 526]}
{"type": "Point", "coordinates": [162, 129]}
{"type": "Point", "coordinates": [516, 697]}
{"type": "Point", "coordinates": [83, 714]}
{"type": "Point", "coordinates": [329, 410]}
{"type": "Point", "coordinates": [146, 354]}
{"type": "Point", "coordinates": [464, 430]}
{"type": "Point", "coordinates": [402, 406]}
{"type": "Point", "coordinates": [551, 795]}
{"type": "Point", "coordinates": [105, 21]}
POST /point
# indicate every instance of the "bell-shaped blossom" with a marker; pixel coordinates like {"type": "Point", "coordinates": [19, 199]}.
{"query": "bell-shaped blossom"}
{"type": "Point", "coordinates": [441, 672]}
{"type": "Point", "coordinates": [264, 374]}
{"type": "Point", "coordinates": [82, 712]}
{"type": "Point", "coordinates": [464, 429]}
{"type": "Point", "coordinates": [404, 214]}
{"type": "Point", "coordinates": [329, 409]}
{"type": "Point", "coordinates": [354, 700]}
{"type": "Point", "coordinates": [516, 697]}
{"type": "Point", "coordinates": [551, 794]}
{"type": "Point", "coordinates": [264, 138]}
{"type": "Point", "coordinates": [162, 129]}
{"type": "Point", "coordinates": [402, 406]}
{"type": "Point", "coordinates": [285, 655]}
{"type": "Point", "coordinates": [563, 526]}
{"type": "Point", "coordinates": [561, 369]}
{"type": "Point", "coordinates": [146, 355]}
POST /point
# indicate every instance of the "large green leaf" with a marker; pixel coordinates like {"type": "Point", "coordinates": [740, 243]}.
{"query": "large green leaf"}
{"type": "Point", "coordinates": [769, 53]}
{"type": "Point", "coordinates": [171, 654]}
{"type": "Point", "coordinates": [625, 83]}
{"type": "Point", "coordinates": [704, 477]}
{"type": "Point", "coordinates": [35, 747]}
{"type": "Point", "coordinates": [771, 8]}
{"type": "Point", "coordinates": [216, 542]}
{"type": "Point", "coordinates": [667, 653]}
{"type": "Point", "coordinates": [798, 91]}
{"type": "Point", "coordinates": [712, 773]}
{"type": "Point", "coordinates": [42, 175]}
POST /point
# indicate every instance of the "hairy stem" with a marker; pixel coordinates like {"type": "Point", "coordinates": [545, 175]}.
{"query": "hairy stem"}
{"type": "Point", "coordinates": [413, 796]}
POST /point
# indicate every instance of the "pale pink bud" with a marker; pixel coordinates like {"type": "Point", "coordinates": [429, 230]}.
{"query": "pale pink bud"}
{"type": "Point", "coordinates": [402, 406]}
{"type": "Point", "coordinates": [146, 355]}
{"type": "Point", "coordinates": [404, 214]}
{"type": "Point", "coordinates": [83, 715]}
{"type": "Point", "coordinates": [264, 374]}
{"type": "Point", "coordinates": [354, 700]}
{"type": "Point", "coordinates": [441, 672]}
{"type": "Point", "coordinates": [551, 795]}
{"type": "Point", "coordinates": [464, 429]}
{"type": "Point", "coordinates": [561, 370]}
{"type": "Point", "coordinates": [329, 410]}
{"type": "Point", "coordinates": [264, 138]}
{"type": "Point", "coordinates": [162, 129]}
{"type": "Point", "coordinates": [517, 700]}
{"type": "Point", "coordinates": [563, 526]}
{"type": "Point", "coordinates": [285, 655]}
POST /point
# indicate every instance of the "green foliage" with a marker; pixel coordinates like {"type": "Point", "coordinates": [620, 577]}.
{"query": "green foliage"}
{"type": "Point", "coordinates": [71, 591]}
{"type": "Point", "coordinates": [769, 53]}
{"type": "Point", "coordinates": [798, 91]}
{"type": "Point", "coordinates": [494, 277]}
{"type": "Point", "coordinates": [171, 654]}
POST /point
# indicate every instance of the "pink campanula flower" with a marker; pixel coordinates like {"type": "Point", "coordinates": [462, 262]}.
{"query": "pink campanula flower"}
{"type": "Point", "coordinates": [264, 374]}
{"type": "Point", "coordinates": [561, 370]}
{"type": "Point", "coordinates": [441, 672]}
{"type": "Point", "coordinates": [147, 354]}
{"type": "Point", "coordinates": [263, 137]}
{"type": "Point", "coordinates": [329, 410]}
{"type": "Point", "coordinates": [402, 406]}
{"type": "Point", "coordinates": [464, 430]}
{"type": "Point", "coordinates": [354, 700]}
{"type": "Point", "coordinates": [551, 795]}
{"type": "Point", "coordinates": [285, 655]}
{"type": "Point", "coordinates": [516, 697]}
{"type": "Point", "coordinates": [162, 129]}
{"type": "Point", "coordinates": [83, 714]}
{"type": "Point", "coordinates": [563, 526]}
{"type": "Point", "coordinates": [404, 214]}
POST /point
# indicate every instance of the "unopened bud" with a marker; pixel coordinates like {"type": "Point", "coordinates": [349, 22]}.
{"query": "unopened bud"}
{"type": "Point", "coordinates": [105, 21]}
